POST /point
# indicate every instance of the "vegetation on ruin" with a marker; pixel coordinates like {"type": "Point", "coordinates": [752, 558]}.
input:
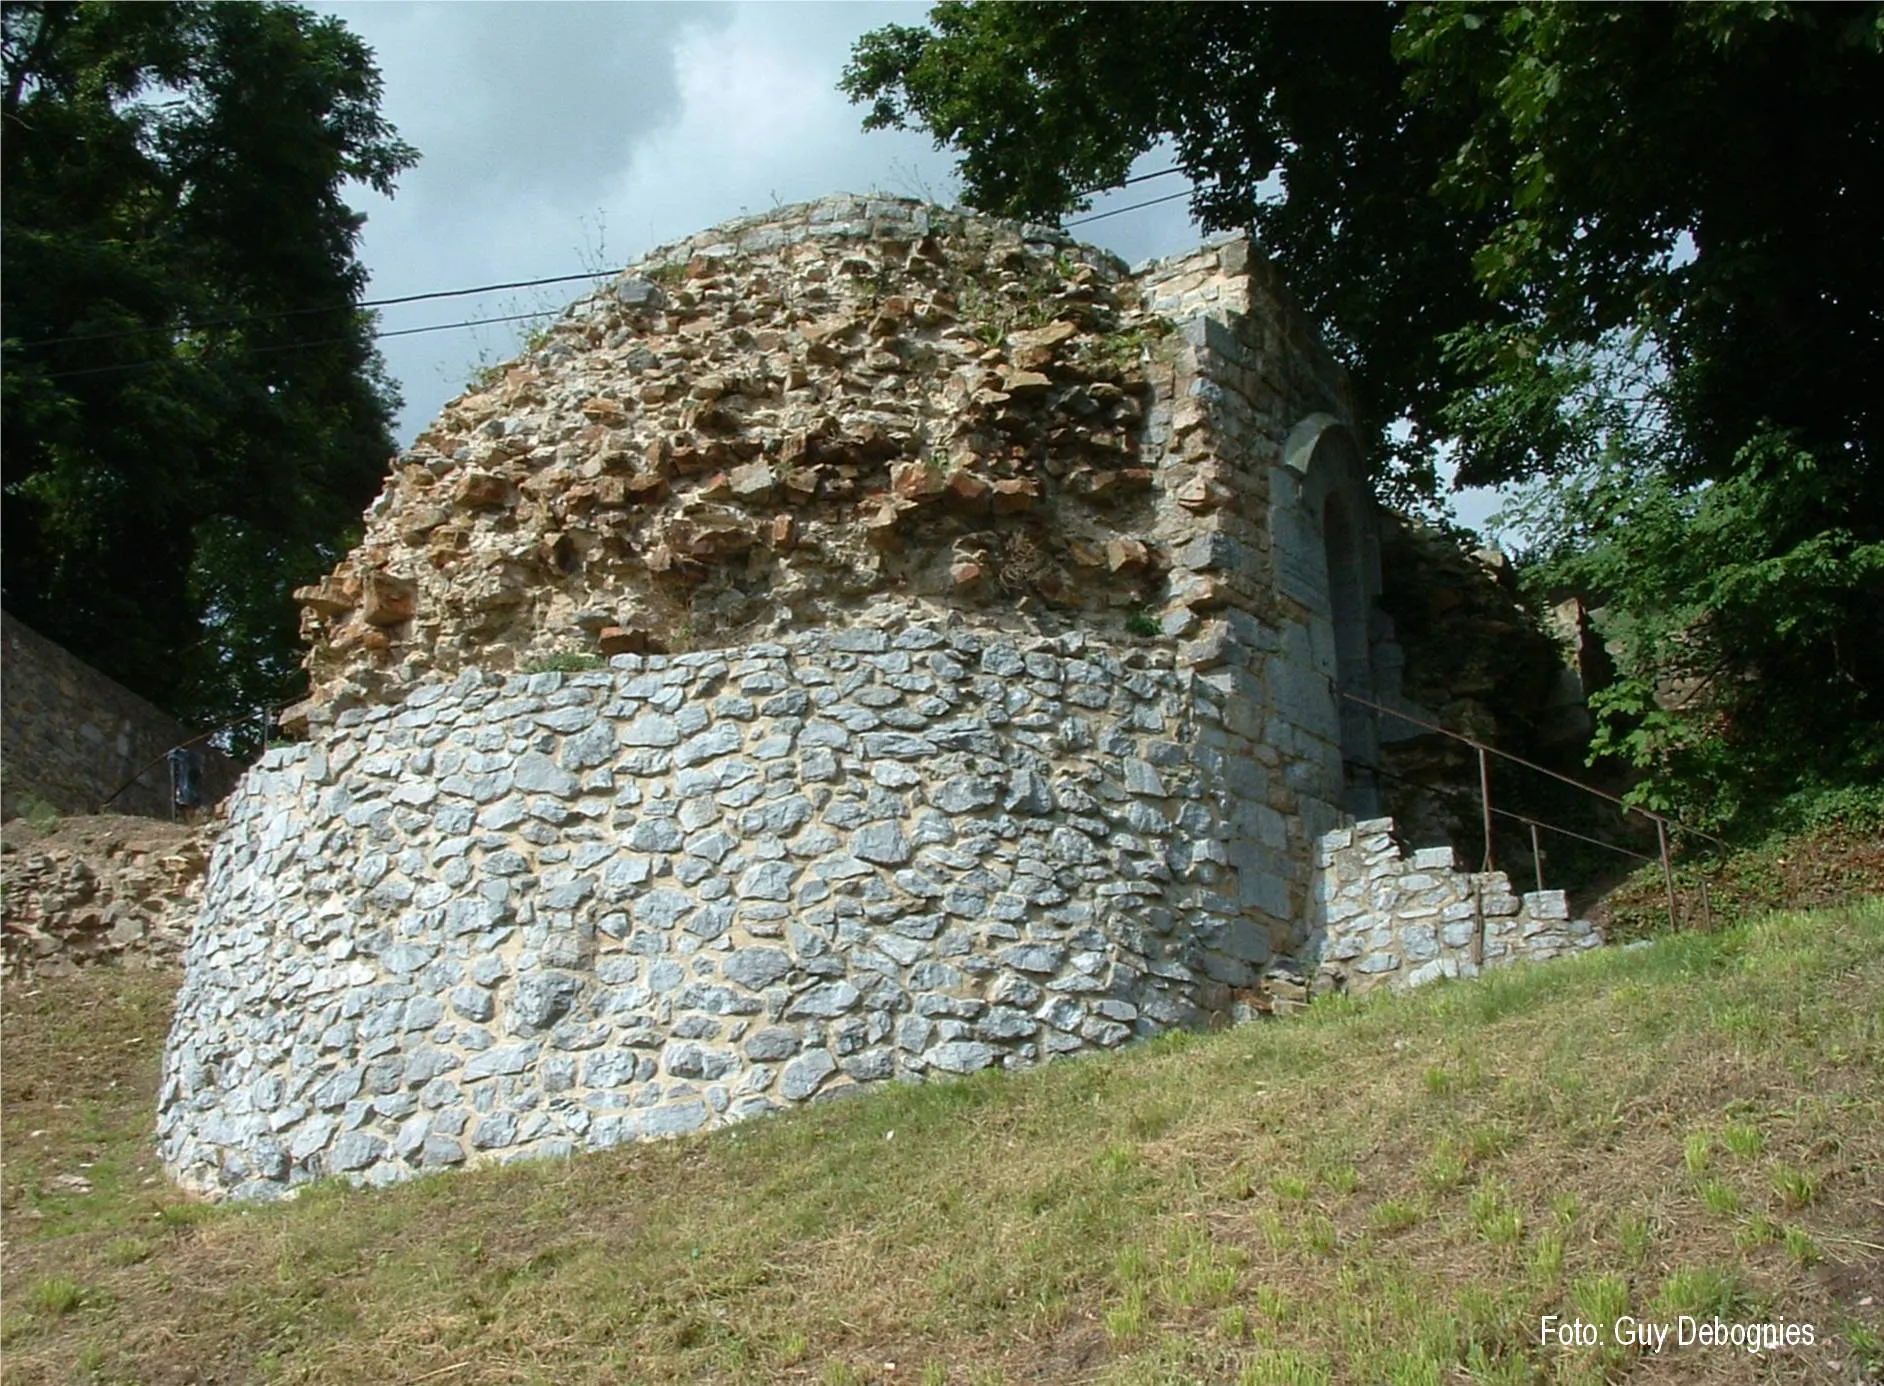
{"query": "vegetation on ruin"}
{"type": "Point", "coordinates": [575, 662]}
{"type": "Point", "coordinates": [194, 410]}
{"type": "Point", "coordinates": [1391, 1191]}
{"type": "Point", "coordinates": [1615, 252]}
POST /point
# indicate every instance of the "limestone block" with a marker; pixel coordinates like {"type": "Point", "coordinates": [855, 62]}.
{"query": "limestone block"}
{"type": "Point", "coordinates": [1547, 904]}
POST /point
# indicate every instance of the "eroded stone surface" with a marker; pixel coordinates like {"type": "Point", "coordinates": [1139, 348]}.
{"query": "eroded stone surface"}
{"type": "Point", "coordinates": [105, 888]}
{"type": "Point", "coordinates": [764, 428]}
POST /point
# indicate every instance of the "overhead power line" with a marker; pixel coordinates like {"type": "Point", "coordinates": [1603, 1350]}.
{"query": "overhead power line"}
{"type": "Point", "coordinates": [1121, 211]}
{"type": "Point", "coordinates": [298, 346]}
{"type": "Point", "coordinates": [242, 319]}
{"type": "Point", "coordinates": [1135, 178]}
{"type": "Point", "coordinates": [237, 321]}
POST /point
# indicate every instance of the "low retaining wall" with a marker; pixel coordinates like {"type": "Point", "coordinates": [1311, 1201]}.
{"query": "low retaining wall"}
{"type": "Point", "coordinates": [1396, 920]}
{"type": "Point", "coordinates": [527, 915]}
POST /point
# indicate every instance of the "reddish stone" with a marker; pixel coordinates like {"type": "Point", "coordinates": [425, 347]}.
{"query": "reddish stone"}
{"type": "Point", "coordinates": [477, 490]}
{"type": "Point", "coordinates": [616, 640]}
{"type": "Point", "coordinates": [388, 600]}
{"type": "Point", "coordinates": [327, 598]}
{"type": "Point", "coordinates": [968, 488]}
{"type": "Point", "coordinates": [1126, 553]}
{"type": "Point", "coordinates": [918, 481]}
{"type": "Point", "coordinates": [1015, 494]}
{"type": "Point", "coordinates": [1201, 495]}
{"type": "Point", "coordinates": [609, 411]}
{"type": "Point", "coordinates": [1051, 335]}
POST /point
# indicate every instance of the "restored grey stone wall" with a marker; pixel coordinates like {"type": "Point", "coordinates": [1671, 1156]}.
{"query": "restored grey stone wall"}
{"type": "Point", "coordinates": [533, 914]}
{"type": "Point", "coordinates": [75, 737]}
{"type": "Point", "coordinates": [1393, 920]}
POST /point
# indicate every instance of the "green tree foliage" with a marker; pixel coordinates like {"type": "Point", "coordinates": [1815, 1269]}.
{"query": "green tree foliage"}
{"type": "Point", "coordinates": [1624, 253]}
{"type": "Point", "coordinates": [194, 411]}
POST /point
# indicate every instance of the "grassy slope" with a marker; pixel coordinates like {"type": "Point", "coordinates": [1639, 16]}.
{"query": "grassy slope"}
{"type": "Point", "coordinates": [1387, 1192]}
{"type": "Point", "coordinates": [1831, 865]}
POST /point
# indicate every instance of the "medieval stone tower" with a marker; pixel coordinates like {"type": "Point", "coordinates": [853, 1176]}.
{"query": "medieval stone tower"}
{"type": "Point", "coordinates": [864, 641]}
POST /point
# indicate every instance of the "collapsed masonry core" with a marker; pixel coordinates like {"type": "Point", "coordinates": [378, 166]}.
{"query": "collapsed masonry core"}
{"type": "Point", "coordinates": [974, 613]}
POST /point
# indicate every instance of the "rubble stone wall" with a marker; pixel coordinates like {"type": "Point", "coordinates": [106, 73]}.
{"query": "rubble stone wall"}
{"type": "Point", "coordinates": [764, 428]}
{"type": "Point", "coordinates": [100, 889]}
{"type": "Point", "coordinates": [1390, 919]}
{"type": "Point", "coordinates": [75, 737]}
{"type": "Point", "coordinates": [536, 913]}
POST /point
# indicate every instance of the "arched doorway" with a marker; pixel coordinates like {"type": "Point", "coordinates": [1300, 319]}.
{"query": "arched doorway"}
{"type": "Point", "coordinates": [1327, 561]}
{"type": "Point", "coordinates": [1348, 606]}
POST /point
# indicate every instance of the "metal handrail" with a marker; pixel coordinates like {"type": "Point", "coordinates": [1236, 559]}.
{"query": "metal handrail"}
{"type": "Point", "coordinates": [1620, 803]}
{"type": "Point", "coordinates": [1662, 821]}
{"type": "Point", "coordinates": [161, 756]}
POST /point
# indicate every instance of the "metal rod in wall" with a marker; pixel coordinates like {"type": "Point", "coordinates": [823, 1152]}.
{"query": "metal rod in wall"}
{"type": "Point", "coordinates": [1478, 923]}
{"type": "Point", "coordinates": [1537, 857]}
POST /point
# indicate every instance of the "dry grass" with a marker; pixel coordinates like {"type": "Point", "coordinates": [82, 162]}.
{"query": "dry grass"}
{"type": "Point", "coordinates": [1388, 1192]}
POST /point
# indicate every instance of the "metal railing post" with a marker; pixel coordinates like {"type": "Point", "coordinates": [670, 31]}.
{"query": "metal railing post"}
{"type": "Point", "coordinates": [1484, 798]}
{"type": "Point", "coordinates": [1486, 810]}
{"type": "Point", "coordinates": [1668, 871]}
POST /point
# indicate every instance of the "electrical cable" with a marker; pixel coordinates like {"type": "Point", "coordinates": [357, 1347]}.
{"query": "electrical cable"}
{"type": "Point", "coordinates": [296, 346]}
{"type": "Point", "coordinates": [1121, 211]}
{"type": "Point", "coordinates": [1135, 178]}
{"type": "Point", "coordinates": [241, 319]}
{"type": "Point", "coordinates": [438, 294]}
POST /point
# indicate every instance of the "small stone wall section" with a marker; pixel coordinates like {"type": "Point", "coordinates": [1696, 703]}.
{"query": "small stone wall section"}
{"type": "Point", "coordinates": [73, 737]}
{"type": "Point", "coordinates": [1398, 920]}
{"type": "Point", "coordinates": [538, 913]}
{"type": "Point", "coordinates": [111, 889]}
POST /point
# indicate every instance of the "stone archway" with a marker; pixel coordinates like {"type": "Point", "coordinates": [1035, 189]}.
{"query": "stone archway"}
{"type": "Point", "coordinates": [1328, 560]}
{"type": "Point", "coordinates": [1348, 605]}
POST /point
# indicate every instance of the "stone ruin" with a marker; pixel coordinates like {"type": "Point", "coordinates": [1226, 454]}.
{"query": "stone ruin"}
{"type": "Point", "coordinates": [862, 642]}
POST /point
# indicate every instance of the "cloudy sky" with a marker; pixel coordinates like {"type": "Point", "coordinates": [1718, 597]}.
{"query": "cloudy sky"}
{"type": "Point", "coordinates": [561, 137]}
